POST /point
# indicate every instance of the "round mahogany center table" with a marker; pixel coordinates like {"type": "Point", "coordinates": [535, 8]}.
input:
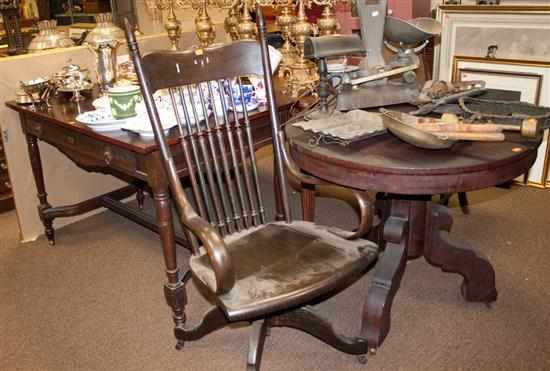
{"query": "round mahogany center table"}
{"type": "Point", "coordinates": [405, 179]}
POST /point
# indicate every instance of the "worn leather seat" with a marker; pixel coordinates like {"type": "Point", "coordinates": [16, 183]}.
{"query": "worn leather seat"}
{"type": "Point", "coordinates": [276, 259]}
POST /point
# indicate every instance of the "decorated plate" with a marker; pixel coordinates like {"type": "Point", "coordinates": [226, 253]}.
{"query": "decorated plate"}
{"type": "Point", "coordinates": [98, 117]}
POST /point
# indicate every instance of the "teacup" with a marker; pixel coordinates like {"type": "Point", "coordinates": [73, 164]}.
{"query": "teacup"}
{"type": "Point", "coordinates": [123, 100]}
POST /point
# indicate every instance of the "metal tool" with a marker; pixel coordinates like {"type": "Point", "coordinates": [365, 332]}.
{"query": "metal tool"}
{"type": "Point", "coordinates": [407, 128]}
{"type": "Point", "coordinates": [529, 127]}
{"type": "Point", "coordinates": [402, 127]}
{"type": "Point", "coordinates": [324, 47]}
{"type": "Point", "coordinates": [372, 86]}
{"type": "Point", "coordinates": [454, 91]}
{"type": "Point", "coordinates": [505, 112]}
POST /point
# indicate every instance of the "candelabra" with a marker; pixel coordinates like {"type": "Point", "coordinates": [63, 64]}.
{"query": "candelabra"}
{"type": "Point", "coordinates": [172, 24]}
{"type": "Point", "coordinates": [302, 73]}
{"type": "Point", "coordinates": [327, 23]}
{"type": "Point", "coordinates": [246, 29]}
{"type": "Point", "coordinates": [232, 21]}
{"type": "Point", "coordinates": [204, 27]}
{"type": "Point", "coordinates": [285, 20]}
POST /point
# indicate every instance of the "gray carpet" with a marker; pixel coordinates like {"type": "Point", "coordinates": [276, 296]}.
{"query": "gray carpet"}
{"type": "Point", "coordinates": [95, 302]}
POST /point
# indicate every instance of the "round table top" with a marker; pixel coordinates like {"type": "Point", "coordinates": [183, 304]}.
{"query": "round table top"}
{"type": "Point", "coordinates": [387, 164]}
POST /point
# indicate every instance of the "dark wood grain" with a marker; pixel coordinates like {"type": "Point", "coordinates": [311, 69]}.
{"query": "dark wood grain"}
{"type": "Point", "coordinates": [387, 164]}
{"type": "Point", "coordinates": [405, 178]}
{"type": "Point", "coordinates": [63, 114]}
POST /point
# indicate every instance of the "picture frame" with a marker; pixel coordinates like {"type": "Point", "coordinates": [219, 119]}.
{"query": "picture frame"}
{"type": "Point", "coordinates": [519, 31]}
{"type": "Point", "coordinates": [530, 78]}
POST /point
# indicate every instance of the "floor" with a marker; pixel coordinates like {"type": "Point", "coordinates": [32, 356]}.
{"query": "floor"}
{"type": "Point", "coordinates": [95, 302]}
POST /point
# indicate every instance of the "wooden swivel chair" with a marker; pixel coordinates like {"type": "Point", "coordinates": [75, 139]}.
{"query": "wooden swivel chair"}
{"type": "Point", "coordinates": [249, 269]}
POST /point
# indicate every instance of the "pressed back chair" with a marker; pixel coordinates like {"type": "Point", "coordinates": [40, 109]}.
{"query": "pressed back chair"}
{"type": "Point", "coordinates": [250, 270]}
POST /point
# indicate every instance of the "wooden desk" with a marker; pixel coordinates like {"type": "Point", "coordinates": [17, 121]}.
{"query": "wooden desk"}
{"type": "Point", "coordinates": [405, 178]}
{"type": "Point", "coordinates": [119, 153]}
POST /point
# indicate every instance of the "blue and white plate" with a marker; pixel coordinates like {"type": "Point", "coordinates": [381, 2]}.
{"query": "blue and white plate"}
{"type": "Point", "coordinates": [98, 117]}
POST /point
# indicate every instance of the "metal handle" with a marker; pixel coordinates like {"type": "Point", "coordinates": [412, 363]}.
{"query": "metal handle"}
{"type": "Point", "coordinates": [3, 166]}
{"type": "Point", "coordinates": [7, 185]}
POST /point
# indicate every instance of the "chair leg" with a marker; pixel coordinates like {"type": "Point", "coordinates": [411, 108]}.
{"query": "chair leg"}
{"type": "Point", "coordinates": [256, 344]}
{"type": "Point", "coordinates": [140, 197]}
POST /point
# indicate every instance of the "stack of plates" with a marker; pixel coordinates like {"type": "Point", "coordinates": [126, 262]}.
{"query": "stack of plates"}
{"type": "Point", "coordinates": [100, 120]}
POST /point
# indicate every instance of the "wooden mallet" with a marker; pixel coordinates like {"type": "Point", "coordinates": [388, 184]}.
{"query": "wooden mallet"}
{"type": "Point", "coordinates": [529, 127]}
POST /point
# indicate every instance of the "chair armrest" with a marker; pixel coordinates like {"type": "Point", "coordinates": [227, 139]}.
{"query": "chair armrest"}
{"type": "Point", "coordinates": [293, 169]}
{"type": "Point", "coordinates": [215, 247]}
{"type": "Point", "coordinates": [366, 210]}
{"type": "Point", "coordinates": [367, 217]}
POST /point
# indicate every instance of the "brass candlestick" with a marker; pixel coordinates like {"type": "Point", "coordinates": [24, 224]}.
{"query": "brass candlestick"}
{"type": "Point", "coordinates": [327, 24]}
{"type": "Point", "coordinates": [231, 22]}
{"type": "Point", "coordinates": [172, 25]}
{"type": "Point", "coordinates": [303, 73]}
{"type": "Point", "coordinates": [285, 21]}
{"type": "Point", "coordinates": [205, 30]}
{"type": "Point", "coordinates": [246, 27]}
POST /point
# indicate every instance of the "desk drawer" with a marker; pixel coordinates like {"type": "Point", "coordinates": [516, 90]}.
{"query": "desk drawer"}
{"type": "Point", "coordinates": [84, 150]}
{"type": "Point", "coordinates": [5, 185]}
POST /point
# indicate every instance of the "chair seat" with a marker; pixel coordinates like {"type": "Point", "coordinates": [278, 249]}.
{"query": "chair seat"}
{"type": "Point", "coordinates": [283, 265]}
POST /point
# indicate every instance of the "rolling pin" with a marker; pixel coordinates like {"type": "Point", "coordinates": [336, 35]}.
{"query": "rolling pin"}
{"type": "Point", "coordinates": [528, 128]}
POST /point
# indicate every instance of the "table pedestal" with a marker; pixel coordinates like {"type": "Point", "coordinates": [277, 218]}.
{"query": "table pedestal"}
{"type": "Point", "coordinates": [429, 229]}
{"type": "Point", "coordinates": [427, 234]}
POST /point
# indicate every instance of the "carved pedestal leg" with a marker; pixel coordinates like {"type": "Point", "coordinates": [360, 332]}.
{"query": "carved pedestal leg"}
{"type": "Point", "coordinates": [386, 281]}
{"type": "Point", "coordinates": [308, 202]}
{"type": "Point", "coordinates": [36, 164]}
{"type": "Point", "coordinates": [256, 344]}
{"type": "Point", "coordinates": [479, 275]}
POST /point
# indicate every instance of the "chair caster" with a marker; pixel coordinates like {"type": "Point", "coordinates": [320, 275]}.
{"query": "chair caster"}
{"type": "Point", "coordinates": [179, 345]}
{"type": "Point", "coordinates": [363, 359]}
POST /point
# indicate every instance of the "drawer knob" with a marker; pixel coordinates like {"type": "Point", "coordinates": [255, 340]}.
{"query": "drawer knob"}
{"type": "Point", "coordinates": [7, 185]}
{"type": "Point", "coordinates": [70, 140]}
{"type": "Point", "coordinates": [108, 157]}
{"type": "Point", "coordinates": [3, 166]}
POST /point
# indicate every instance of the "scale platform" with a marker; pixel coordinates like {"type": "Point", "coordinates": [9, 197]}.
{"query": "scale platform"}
{"type": "Point", "coordinates": [375, 96]}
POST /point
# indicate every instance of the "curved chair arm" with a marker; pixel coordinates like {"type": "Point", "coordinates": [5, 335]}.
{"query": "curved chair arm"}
{"type": "Point", "coordinates": [220, 260]}
{"type": "Point", "coordinates": [293, 169]}
{"type": "Point", "coordinates": [366, 208]}
{"type": "Point", "coordinates": [367, 217]}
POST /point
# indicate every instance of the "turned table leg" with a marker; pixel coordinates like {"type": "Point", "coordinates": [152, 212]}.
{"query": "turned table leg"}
{"type": "Point", "coordinates": [36, 165]}
{"type": "Point", "coordinates": [307, 196]}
